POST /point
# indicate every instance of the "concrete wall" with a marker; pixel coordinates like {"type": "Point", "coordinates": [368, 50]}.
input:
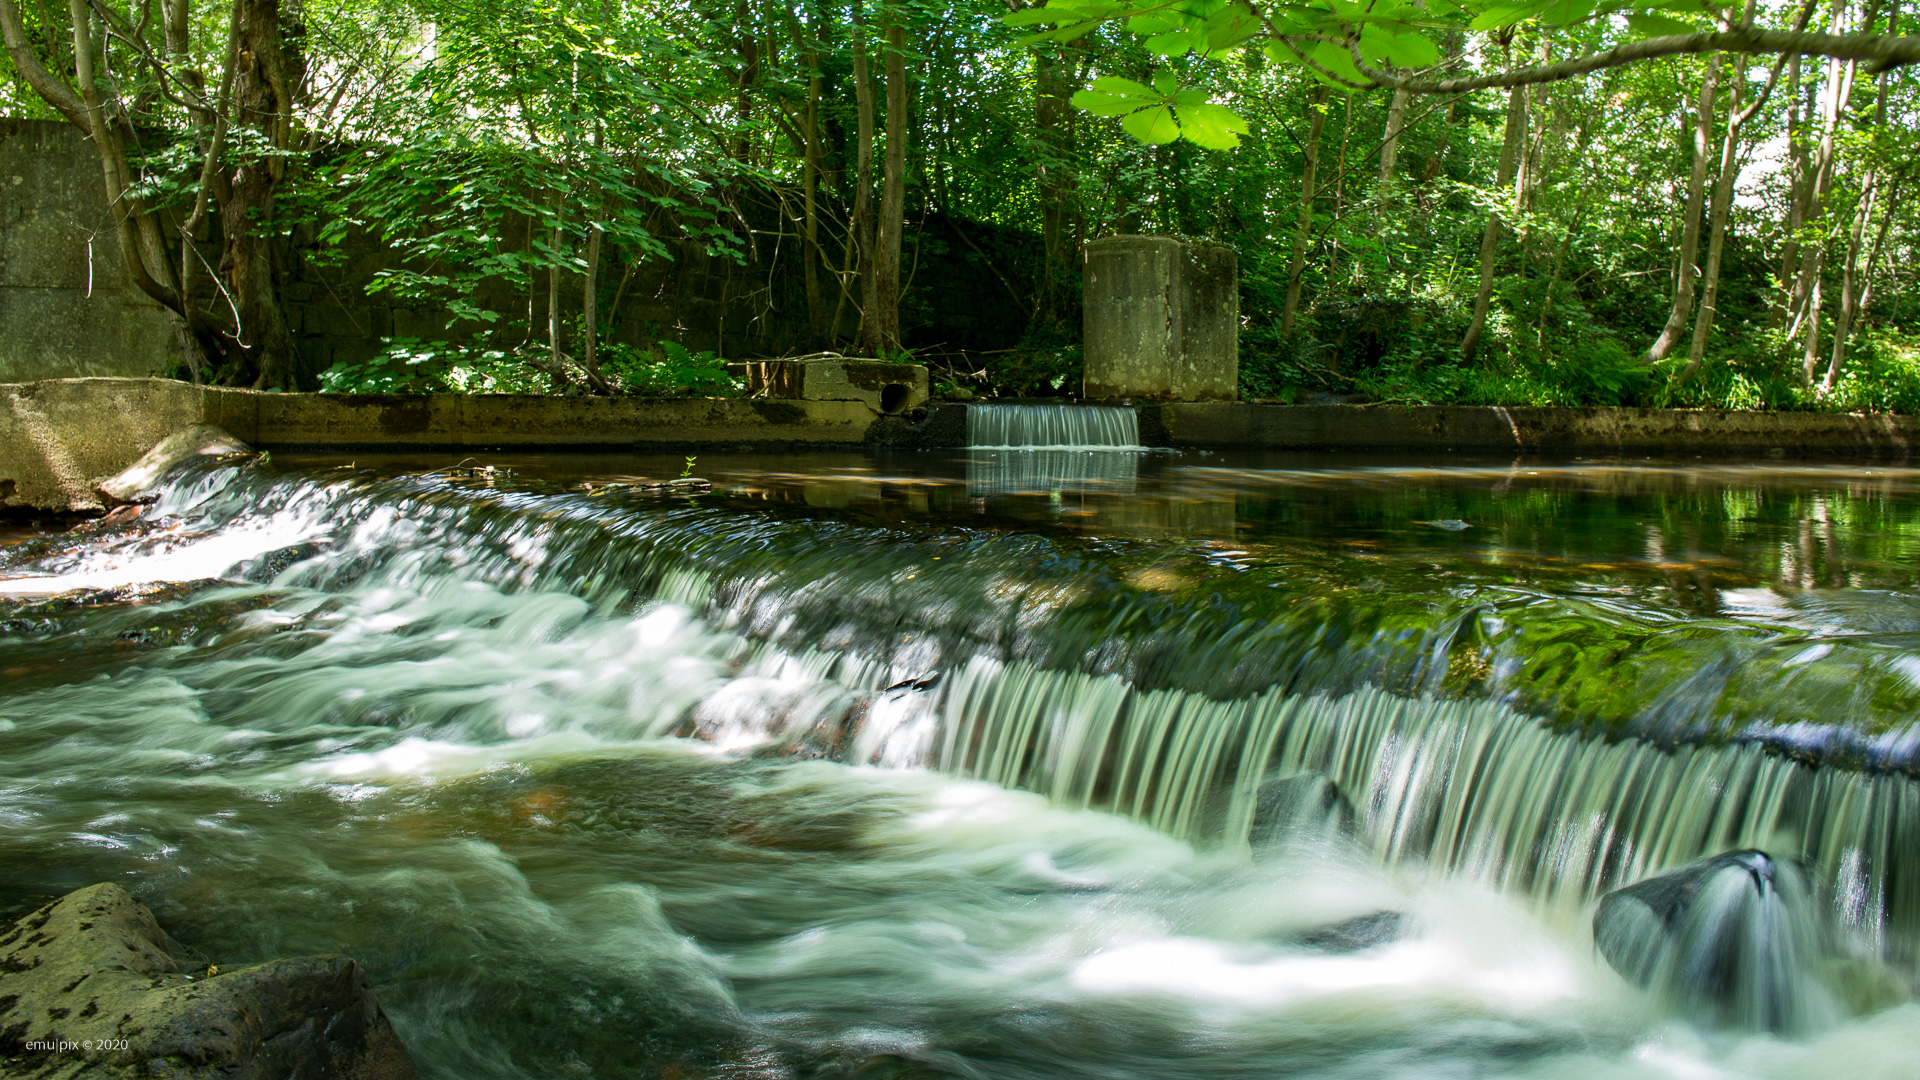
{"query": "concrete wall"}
{"type": "Point", "coordinates": [1499, 429]}
{"type": "Point", "coordinates": [59, 438]}
{"type": "Point", "coordinates": [67, 306]}
{"type": "Point", "coordinates": [51, 202]}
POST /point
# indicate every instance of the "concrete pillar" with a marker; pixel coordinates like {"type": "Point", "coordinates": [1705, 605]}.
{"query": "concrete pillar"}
{"type": "Point", "coordinates": [1162, 319]}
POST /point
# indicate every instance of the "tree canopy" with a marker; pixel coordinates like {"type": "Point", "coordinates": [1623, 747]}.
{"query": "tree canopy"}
{"type": "Point", "coordinates": [1554, 201]}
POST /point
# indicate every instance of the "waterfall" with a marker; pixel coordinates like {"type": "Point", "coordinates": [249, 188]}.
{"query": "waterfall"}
{"type": "Point", "coordinates": [1467, 785]}
{"type": "Point", "coordinates": [1055, 427]}
{"type": "Point", "coordinates": [1047, 449]}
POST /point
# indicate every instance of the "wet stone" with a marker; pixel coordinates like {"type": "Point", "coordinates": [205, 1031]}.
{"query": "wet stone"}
{"type": "Point", "coordinates": [92, 988]}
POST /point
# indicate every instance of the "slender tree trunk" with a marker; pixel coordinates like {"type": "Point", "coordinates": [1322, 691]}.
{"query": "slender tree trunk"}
{"type": "Point", "coordinates": [1390, 148]}
{"type": "Point", "coordinates": [1684, 279]}
{"type": "Point", "coordinates": [1490, 239]}
{"type": "Point", "coordinates": [863, 171]}
{"type": "Point", "coordinates": [1053, 142]}
{"type": "Point", "coordinates": [1804, 304]}
{"type": "Point", "coordinates": [1798, 185]}
{"type": "Point", "coordinates": [1717, 216]}
{"type": "Point", "coordinates": [810, 196]}
{"type": "Point", "coordinates": [1303, 230]}
{"type": "Point", "coordinates": [1807, 291]}
{"type": "Point", "coordinates": [883, 312]}
{"type": "Point", "coordinates": [554, 353]}
{"type": "Point", "coordinates": [1844, 315]}
{"type": "Point", "coordinates": [1850, 305]}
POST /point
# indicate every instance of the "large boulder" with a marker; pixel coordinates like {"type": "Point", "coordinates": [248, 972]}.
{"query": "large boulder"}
{"type": "Point", "coordinates": [139, 478]}
{"type": "Point", "coordinates": [1730, 940]}
{"type": "Point", "coordinates": [91, 988]}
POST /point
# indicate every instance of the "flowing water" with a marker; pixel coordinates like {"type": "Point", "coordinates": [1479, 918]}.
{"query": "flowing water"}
{"type": "Point", "coordinates": [962, 765]}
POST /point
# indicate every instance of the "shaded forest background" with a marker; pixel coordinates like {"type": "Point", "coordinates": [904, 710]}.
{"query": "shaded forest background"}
{"type": "Point", "coordinates": [1719, 230]}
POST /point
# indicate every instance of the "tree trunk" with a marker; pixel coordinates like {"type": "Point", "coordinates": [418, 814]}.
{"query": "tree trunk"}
{"type": "Point", "coordinates": [1717, 215]}
{"type": "Point", "coordinates": [1797, 185]}
{"type": "Point", "coordinates": [1303, 230]}
{"type": "Point", "coordinates": [862, 240]}
{"type": "Point", "coordinates": [1490, 239]}
{"type": "Point", "coordinates": [1683, 285]}
{"type": "Point", "coordinates": [1804, 303]}
{"type": "Point", "coordinates": [810, 196]}
{"type": "Point", "coordinates": [883, 309]}
{"type": "Point", "coordinates": [1850, 298]}
{"type": "Point", "coordinates": [1390, 149]}
{"type": "Point", "coordinates": [263, 101]}
{"type": "Point", "coordinates": [1053, 142]}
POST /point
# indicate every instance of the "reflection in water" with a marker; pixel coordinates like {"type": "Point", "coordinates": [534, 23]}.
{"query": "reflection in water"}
{"type": "Point", "coordinates": [1046, 472]}
{"type": "Point", "coordinates": [579, 774]}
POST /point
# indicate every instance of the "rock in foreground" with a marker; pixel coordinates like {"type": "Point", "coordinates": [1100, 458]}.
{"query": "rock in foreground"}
{"type": "Point", "coordinates": [92, 988]}
{"type": "Point", "coordinates": [1731, 939]}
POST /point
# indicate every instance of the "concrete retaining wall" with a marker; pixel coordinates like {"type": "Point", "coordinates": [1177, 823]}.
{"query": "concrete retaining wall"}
{"type": "Point", "coordinates": [60, 437]}
{"type": "Point", "coordinates": [1499, 429]}
{"type": "Point", "coordinates": [67, 305]}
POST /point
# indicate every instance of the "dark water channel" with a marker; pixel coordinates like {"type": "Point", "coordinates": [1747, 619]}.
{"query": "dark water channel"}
{"type": "Point", "coordinates": [960, 764]}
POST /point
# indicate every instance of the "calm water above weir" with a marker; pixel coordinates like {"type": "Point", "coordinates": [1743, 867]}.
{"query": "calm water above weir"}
{"type": "Point", "coordinates": [976, 764]}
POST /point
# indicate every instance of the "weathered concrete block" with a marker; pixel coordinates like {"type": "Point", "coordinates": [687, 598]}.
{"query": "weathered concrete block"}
{"type": "Point", "coordinates": [1162, 319]}
{"type": "Point", "coordinates": [885, 387]}
{"type": "Point", "coordinates": [60, 437]}
{"type": "Point", "coordinates": [67, 305]}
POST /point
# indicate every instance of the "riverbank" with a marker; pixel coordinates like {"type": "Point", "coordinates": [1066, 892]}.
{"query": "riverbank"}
{"type": "Point", "coordinates": [60, 437]}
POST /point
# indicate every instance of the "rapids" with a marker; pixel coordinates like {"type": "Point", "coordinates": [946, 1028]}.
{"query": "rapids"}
{"type": "Point", "coordinates": [934, 765]}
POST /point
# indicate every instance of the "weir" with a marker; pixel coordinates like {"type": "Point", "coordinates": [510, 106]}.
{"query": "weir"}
{"type": "Point", "coordinates": [1052, 427]}
{"type": "Point", "coordinates": [395, 647]}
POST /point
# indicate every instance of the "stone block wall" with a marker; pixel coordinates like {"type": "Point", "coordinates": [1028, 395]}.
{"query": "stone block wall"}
{"type": "Point", "coordinates": [67, 304]}
{"type": "Point", "coordinates": [56, 322]}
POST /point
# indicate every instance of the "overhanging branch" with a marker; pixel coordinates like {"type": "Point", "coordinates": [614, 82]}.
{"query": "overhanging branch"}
{"type": "Point", "coordinates": [1879, 52]}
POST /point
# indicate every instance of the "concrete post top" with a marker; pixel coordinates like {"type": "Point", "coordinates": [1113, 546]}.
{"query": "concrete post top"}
{"type": "Point", "coordinates": [1135, 242]}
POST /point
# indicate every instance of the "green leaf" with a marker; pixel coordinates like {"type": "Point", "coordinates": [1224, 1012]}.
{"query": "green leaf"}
{"type": "Point", "coordinates": [1119, 87]}
{"type": "Point", "coordinates": [1338, 61]}
{"type": "Point", "coordinates": [1412, 50]}
{"type": "Point", "coordinates": [1178, 43]}
{"type": "Point", "coordinates": [1152, 126]}
{"type": "Point", "coordinates": [1164, 82]}
{"type": "Point", "coordinates": [1034, 17]}
{"type": "Point", "coordinates": [1215, 127]}
{"type": "Point", "coordinates": [1649, 24]}
{"type": "Point", "coordinates": [1501, 16]}
{"type": "Point", "coordinates": [1105, 104]}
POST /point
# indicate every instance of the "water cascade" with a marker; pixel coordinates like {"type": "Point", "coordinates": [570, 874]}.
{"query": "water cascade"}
{"type": "Point", "coordinates": [415, 705]}
{"type": "Point", "coordinates": [1053, 427]}
{"type": "Point", "coordinates": [1470, 785]}
{"type": "Point", "coordinates": [1051, 448]}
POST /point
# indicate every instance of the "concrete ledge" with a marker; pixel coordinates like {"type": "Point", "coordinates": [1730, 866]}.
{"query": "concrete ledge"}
{"type": "Point", "coordinates": [1500, 429]}
{"type": "Point", "coordinates": [59, 438]}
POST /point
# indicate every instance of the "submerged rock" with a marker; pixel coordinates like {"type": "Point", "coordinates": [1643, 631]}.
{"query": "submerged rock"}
{"type": "Point", "coordinates": [1355, 934]}
{"type": "Point", "coordinates": [1300, 806]}
{"type": "Point", "coordinates": [1731, 939]}
{"type": "Point", "coordinates": [92, 988]}
{"type": "Point", "coordinates": [139, 478]}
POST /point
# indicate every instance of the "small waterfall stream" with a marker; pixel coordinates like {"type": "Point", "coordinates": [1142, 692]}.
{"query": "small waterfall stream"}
{"type": "Point", "coordinates": [1052, 427]}
{"type": "Point", "coordinates": [1051, 448]}
{"type": "Point", "coordinates": [568, 704]}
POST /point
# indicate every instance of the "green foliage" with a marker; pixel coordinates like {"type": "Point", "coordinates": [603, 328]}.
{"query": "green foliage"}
{"type": "Point", "coordinates": [669, 370]}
